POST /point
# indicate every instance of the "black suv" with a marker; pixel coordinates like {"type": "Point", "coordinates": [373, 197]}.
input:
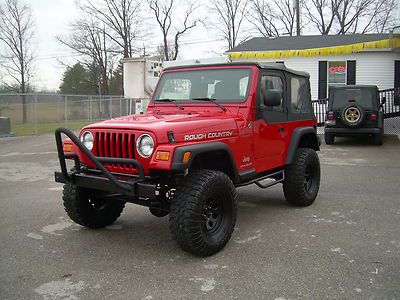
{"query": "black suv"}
{"type": "Point", "coordinates": [354, 110]}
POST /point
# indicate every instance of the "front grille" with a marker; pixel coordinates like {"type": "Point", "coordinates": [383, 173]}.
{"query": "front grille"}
{"type": "Point", "coordinates": [114, 144]}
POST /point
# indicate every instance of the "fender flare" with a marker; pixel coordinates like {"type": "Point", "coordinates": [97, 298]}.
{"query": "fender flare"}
{"type": "Point", "coordinates": [197, 149]}
{"type": "Point", "coordinates": [298, 133]}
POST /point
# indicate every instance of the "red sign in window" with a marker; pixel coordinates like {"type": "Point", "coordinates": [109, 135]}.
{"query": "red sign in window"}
{"type": "Point", "coordinates": [337, 70]}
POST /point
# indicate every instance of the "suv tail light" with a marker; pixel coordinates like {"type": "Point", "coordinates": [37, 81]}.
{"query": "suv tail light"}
{"type": "Point", "coordinates": [330, 116]}
{"type": "Point", "coordinates": [373, 117]}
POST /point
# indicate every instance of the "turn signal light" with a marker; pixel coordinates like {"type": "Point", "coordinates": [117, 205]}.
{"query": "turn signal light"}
{"type": "Point", "coordinates": [162, 155]}
{"type": "Point", "coordinates": [330, 116]}
{"type": "Point", "coordinates": [67, 148]}
{"type": "Point", "coordinates": [186, 157]}
{"type": "Point", "coordinates": [373, 117]}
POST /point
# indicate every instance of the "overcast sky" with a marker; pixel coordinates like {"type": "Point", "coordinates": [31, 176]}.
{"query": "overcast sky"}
{"type": "Point", "coordinates": [52, 18]}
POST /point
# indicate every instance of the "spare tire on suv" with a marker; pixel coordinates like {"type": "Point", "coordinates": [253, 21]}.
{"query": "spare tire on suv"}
{"type": "Point", "coordinates": [353, 115]}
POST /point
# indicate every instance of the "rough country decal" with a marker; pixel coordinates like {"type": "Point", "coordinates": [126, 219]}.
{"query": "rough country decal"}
{"type": "Point", "coordinates": [210, 135]}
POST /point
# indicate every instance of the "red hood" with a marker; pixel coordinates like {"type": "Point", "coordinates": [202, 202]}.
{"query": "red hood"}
{"type": "Point", "coordinates": [192, 125]}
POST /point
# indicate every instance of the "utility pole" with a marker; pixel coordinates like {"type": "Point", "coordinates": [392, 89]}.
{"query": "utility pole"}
{"type": "Point", "coordinates": [297, 7]}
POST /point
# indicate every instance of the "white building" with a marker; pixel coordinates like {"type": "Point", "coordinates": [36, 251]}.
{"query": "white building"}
{"type": "Point", "coordinates": [140, 77]}
{"type": "Point", "coordinates": [330, 59]}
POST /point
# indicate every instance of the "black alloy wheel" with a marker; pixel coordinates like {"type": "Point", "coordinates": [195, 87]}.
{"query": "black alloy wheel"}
{"type": "Point", "coordinates": [212, 214]}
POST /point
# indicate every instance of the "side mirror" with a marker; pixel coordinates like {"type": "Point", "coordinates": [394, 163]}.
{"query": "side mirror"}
{"type": "Point", "coordinates": [383, 100]}
{"type": "Point", "coordinates": [272, 98]}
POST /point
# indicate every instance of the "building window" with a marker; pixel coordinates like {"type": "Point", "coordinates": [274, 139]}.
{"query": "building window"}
{"type": "Point", "coordinates": [337, 71]}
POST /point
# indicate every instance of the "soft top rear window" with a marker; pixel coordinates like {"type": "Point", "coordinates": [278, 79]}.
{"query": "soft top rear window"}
{"type": "Point", "coordinates": [344, 97]}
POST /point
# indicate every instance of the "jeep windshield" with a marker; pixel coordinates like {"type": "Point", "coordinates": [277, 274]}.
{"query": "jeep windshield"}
{"type": "Point", "coordinates": [345, 97]}
{"type": "Point", "coordinates": [230, 85]}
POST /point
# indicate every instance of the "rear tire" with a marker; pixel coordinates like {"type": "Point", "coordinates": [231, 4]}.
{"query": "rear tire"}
{"type": "Point", "coordinates": [302, 180]}
{"type": "Point", "coordinates": [329, 138]}
{"type": "Point", "coordinates": [203, 212]}
{"type": "Point", "coordinates": [89, 210]}
{"type": "Point", "coordinates": [378, 138]}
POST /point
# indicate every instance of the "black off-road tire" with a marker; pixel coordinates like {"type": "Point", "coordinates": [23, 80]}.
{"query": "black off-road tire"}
{"type": "Point", "coordinates": [378, 138]}
{"type": "Point", "coordinates": [302, 179]}
{"type": "Point", "coordinates": [329, 138]}
{"type": "Point", "coordinates": [84, 208]}
{"type": "Point", "coordinates": [203, 212]}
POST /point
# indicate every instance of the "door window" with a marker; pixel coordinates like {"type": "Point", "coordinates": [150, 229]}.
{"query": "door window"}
{"type": "Point", "coordinates": [269, 82]}
{"type": "Point", "coordinates": [272, 81]}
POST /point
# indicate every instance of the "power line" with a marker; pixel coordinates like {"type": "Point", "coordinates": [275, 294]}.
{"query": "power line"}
{"type": "Point", "coordinates": [62, 55]}
{"type": "Point", "coordinates": [57, 56]}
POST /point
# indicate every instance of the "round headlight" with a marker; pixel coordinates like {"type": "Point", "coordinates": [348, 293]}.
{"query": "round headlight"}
{"type": "Point", "coordinates": [145, 145]}
{"type": "Point", "coordinates": [87, 139]}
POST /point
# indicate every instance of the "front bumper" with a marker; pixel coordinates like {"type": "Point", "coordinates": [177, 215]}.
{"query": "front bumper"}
{"type": "Point", "coordinates": [135, 186]}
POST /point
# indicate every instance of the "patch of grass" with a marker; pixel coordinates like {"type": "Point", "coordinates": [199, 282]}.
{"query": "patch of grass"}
{"type": "Point", "coordinates": [29, 129]}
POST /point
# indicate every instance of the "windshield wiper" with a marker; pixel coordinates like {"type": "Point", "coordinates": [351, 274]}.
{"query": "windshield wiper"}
{"type": "Point", "coordinates": [171, 101]}
{"type": "Point", "coordinates": [210, 100]}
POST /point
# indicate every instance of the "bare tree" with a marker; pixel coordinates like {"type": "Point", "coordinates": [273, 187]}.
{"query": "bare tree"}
{"type": "Point", "coordinates": [121, 19]}
{"type": "Point", "coordinates": [262, 17]}
{"type": "Point", "coordinates": [286, 16]}
{"type": "Point", "coordinates": [160, 51]}
{"type": "Point", "coordinates": [164, 14]}
{"type": "Point", "coordinates": [365, 15]}
{"type": "Point", "coordinates": [384, 15]}
{"type": "Point", "coordinates": [321, 14]}
{"type": "Point", "coordinates": [230, 15]}
{"type": "Point", "coordinates": [273, 18]}
{"type": "Point", "coordinates": [349, 14]}
{"type": "Point", "coordinates": [92, 42]}
{"type": "Point", "coordinates": [16, 32]}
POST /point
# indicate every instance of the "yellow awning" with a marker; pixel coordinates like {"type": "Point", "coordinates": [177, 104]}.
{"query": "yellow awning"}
{"type": "Point", "coordinates": [328, 51]}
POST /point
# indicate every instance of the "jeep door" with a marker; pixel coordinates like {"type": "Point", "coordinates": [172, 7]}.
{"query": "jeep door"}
{"type": "Point", "coordinates": [270, 132]}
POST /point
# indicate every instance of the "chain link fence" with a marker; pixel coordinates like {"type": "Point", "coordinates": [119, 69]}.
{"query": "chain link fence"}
{"type": "Point", "coordinates": [33, 114]}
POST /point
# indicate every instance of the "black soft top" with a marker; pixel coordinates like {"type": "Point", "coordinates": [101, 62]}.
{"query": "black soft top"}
{"type": "Point", "coordinates": [261, 65]}
{"type": "Point", "coordinates": [343, 95]}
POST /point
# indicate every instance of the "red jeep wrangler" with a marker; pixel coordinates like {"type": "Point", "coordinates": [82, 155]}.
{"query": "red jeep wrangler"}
{"type": "Point", "coordinates": [208, 129]}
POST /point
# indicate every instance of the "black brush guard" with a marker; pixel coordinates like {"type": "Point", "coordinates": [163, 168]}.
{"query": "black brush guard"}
{"type": "Point", "coordinates": [134, 187]}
